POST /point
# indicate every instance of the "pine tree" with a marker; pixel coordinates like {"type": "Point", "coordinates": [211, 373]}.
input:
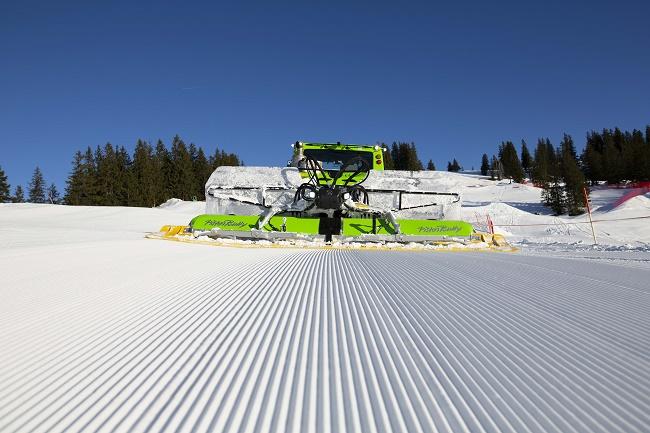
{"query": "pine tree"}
{"type": "Point", "coordinates": [229, 159]}
{"type": "Point", "coordinates": [394, 156]}
{"type": "Point", "coordinates": [53, 194]}
{"type": "Point", "coordinates": [510, 160]}
{"type": "Point", "coordinates": [163, 162]}
{"type": "Point", "coordinates": [106, 175]}
{"type": "Point", "coordinates": [37, 187]}
{"type": "Point", "coordinates": [568, 147]}
{"type": "Point", "coordinates": [592, 158]}
{"type": "Point", "coordinates": [202, 172]}
{"type": "Point", "coordinates": [634, 156]}
{"type": "Point", "coordinates": [553, 192]}
{"type": "Point", "coordinates": [526, 159]}
{"type": "Point", "coordinates": [88, 183]}
{"type": "Point", "coordinates": [113, 175]}
{"type": "Point", "coordinates": [183, 173]}
{"type": "Point", "coordinates": [555, 198]}
{"type": "Point", "coordinates": [453, 166]}
{"type": "Point", "coordinates": [193, 152]}
{"type": "Point", "coordinates": [574, 180]}
{"type": "Point", "coordinates": [73, 183]}
{"type": "Point", "coordinates": [612, 159]}
{"type": "Point", "coordinates": [124, 179]}
{"type": "Point", "coordinates": [156, 180]}
{"type": "Point", "coordinates": [500, 150]}
{"type": "Point", "coordinates": [222, 158]}
{"type": "Point", "coordinates": [485, 165]}
{"type": "Point", "coordinates": [5, 188]}
{"type": "Point", "coordinates": [540, 170]}
{"type": "Point", "coordinates": [414, 163]}
{"type": "Point", "coordinates": [496, 169]}
{"type": "Point", "coordinates": [144, 176]}
{"type": "Point", "coordinates": [553, 189]}
{"type": "Point", "coordinates": [19, 195]}
{"type": "Point", "coordinates": [431, 166]}
{"type": "Point", "coordinates": [403, 151]}
{"type": "Point", "coordinates": [404, 156]}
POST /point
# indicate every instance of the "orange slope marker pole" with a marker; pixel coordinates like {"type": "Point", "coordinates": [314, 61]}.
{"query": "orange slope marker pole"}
{"type": "Point", "coordinates": [591, 222]}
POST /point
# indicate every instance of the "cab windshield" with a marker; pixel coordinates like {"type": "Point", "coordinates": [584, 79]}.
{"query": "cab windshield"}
{"type": "Point", "coordinates": [332, 160]}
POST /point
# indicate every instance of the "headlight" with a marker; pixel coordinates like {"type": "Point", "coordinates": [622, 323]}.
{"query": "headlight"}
{"type": "Point", "coordinates": [346, 196]}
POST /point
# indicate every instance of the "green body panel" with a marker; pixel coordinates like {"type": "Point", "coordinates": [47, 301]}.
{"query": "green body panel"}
{"type": "Point", "coordinates": [363, 226]}
{"type": "Point", "coordinates": [248, 222]}
{"type": "Point", "coordinates": [360, 226]}
{"type": "Point", "coordinates": [353, 149]}
{"type": "Point", "coordinates": [350, 226]}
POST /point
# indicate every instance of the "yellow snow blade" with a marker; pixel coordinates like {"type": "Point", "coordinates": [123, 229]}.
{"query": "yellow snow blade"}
{"type": "Point", "coordinates": [493, 240]}
{"type": "Point", "coordinates": [483, 237]}
{"type": "Point", "coordinates": [168, 230]}
{"type": "Point", "coordinates": [499, 240]}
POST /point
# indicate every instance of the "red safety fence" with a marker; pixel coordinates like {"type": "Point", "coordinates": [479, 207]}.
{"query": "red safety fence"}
{"type": "Point", "coordinates": [643, 188]}
{"type": "Point", "coordinates": [629, 185]}
{"type": "Point", "coordinates": [571, 223]}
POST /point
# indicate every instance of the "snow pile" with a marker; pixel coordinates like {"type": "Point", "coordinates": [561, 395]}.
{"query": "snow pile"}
{"type": "Point", "coordinates": [252, 177]}
{"type": "Point", "coordinates": [178, 205]}
{"type": "Point", "coordinates": [172, 202]}
{"type": "Point", "coordinates": [249, 190]}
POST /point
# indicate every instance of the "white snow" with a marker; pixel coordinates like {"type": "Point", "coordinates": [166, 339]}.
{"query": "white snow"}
{"type": "Point", "coordinates": [103, 330]}
{"type": "Point", "coordinates": [515, 209]}
{"type": "Point", "coordinates": [276, 186]}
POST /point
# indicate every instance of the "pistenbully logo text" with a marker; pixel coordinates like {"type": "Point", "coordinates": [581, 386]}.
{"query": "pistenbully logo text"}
{"type": "Point", "coordinates": [225, 223]}
{"type": "Point", "coordinates": [439, 229]}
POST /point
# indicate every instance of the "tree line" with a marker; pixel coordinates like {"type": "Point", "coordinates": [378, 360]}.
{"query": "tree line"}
{"type": "Point", "coordinates": [110, 176]}
{"type": "Point", "coordinates": [616, 156]}
{"type": "Point", "coordinates": [613, 156]}
{"type": "Point", "coordinates": [38, 191]}
{"type": "Point", "coordinates": [402, 155]}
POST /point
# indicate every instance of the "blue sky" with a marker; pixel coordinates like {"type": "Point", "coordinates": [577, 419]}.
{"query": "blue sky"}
{"type": "Point", "coordinates": [456, 78]}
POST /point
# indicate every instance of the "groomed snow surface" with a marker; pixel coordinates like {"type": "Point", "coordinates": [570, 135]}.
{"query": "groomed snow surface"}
{"type": "Point", "coordinates": [102, 330]}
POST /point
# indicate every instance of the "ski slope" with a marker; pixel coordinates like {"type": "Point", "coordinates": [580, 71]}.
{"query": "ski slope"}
{"type": "Point", "coordinates": [103, 330]}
